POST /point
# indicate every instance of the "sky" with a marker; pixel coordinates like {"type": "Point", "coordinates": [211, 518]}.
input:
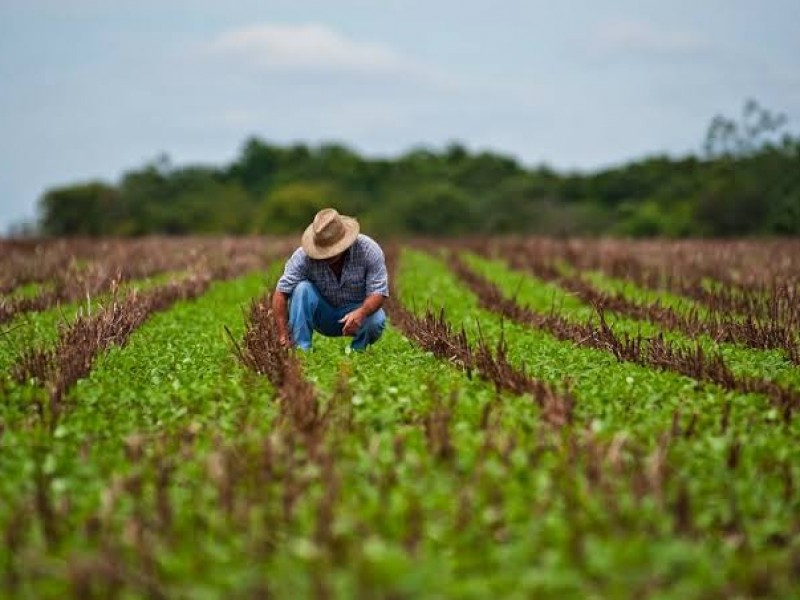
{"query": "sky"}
{"type": "Point", "coordinates": [92, 88]}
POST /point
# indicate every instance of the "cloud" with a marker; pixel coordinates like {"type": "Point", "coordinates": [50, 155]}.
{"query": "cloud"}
{"type": "Point", "coordinates": [311, 47]}
{"type": "Point", "coordinates": [630, 36]}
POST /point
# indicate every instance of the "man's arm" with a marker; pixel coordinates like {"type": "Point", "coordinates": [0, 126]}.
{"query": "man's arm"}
{"type": "Point", "coordinates": [293, 273]}
{"type": "Point", "coordinates": [377, 286]}
{"type": "Point", "coordinates": [354, 319]}
{"type": "Point", "coordinates": [280, 302]}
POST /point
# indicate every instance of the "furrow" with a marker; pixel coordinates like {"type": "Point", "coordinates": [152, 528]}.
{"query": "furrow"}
{"type": "Point", "coordinates": [58, 368]}
{"type": "Point", "coordinates": [722, 327]}
{"type": "Point", "coordinates": [262, 352]}
{"type": "Point", "coordinates": [73, 281]}
{"type": "Point", "coordinates": [649, 352]}
{"type": "Point", "coordinates": [765, 286]}
{"type": "Point", "coordinates": [433, 333]}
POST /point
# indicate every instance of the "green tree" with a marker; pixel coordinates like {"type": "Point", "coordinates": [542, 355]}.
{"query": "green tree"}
{"type": "Point", "coordinates": [257, 166]}
{"type": "Point", "coordinates": [84, 209]}
{"type": "Point", "coordinates": [291, 207]}
{"type": "Point", "coordinates": [756, 129]}
{"type": "Point", "coordinates": [515, 205]}
{"type": "Point", "coordinates": [213, 208]}
{"type": "Point", "coordinates": [484, 171]}
{"type": "Point", "coordinates": [747, 182]}
{"type": "Point", "coordinates": [435, 209]}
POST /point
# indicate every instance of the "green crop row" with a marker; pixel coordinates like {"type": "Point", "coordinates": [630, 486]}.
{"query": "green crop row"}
{"type": "Point", "coordinates": [27, 290]}
{"type": "Point", "coordinates": [543, 297]}
{"type": "Point", "coordinates": [177, 374]}
{"type": "Point", "coordinates": [172, 474]}
{"type": "Point", "coordinates": [40, 329]}
{"type": "Point", "coordinates": [640, 403]}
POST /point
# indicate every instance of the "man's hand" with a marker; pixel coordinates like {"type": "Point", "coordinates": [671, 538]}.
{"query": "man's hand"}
{"type": "Point", "coordinates": [279, 310]}
{"type": "Point", "coordinates": [352, 321]}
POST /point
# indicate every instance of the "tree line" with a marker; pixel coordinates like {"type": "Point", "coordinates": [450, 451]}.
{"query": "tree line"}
{"type": "Point", "coordinates": [745, 182]}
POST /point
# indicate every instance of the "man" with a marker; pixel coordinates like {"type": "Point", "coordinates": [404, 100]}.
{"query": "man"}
{"type": "Point", "coordinates": [335, 283]}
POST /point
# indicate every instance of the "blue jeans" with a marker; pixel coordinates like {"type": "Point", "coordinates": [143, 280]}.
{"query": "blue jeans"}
{"type": "Point", "coordinates": [310, 312]}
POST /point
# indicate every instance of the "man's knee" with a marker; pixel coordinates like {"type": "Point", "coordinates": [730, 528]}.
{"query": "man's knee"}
{"type": "Point", "coordinates": [371, 329]}
{"type": "Point", "coordinates": [375, 324]}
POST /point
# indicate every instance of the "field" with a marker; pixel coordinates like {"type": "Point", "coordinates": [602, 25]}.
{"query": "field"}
{"type": "Point", "coordinates": [542, 418]}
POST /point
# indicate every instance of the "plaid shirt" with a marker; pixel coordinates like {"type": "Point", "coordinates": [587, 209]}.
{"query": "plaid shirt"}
{"type": "Point", "coordinates": [363, 274]}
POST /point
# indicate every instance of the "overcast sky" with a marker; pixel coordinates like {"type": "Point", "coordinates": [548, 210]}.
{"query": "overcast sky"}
{"type": "Point", "coordinates": [90, 88]}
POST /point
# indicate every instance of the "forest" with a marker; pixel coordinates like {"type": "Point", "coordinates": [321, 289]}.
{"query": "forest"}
{"type": "Point", "coordinates": [744, 182]}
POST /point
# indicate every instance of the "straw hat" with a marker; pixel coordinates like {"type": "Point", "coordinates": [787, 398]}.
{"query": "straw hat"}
{"type": "Point", "coordinates": [330, 234]}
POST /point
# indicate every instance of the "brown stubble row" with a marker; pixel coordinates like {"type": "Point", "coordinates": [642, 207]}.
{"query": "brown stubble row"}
{"type": "Point", "coordinates": [433, 333]}
{"type": "Point", "coordinates": [307, 433]}
{"type": "Point", "coordinates": [757, 278]}
{"type": "Point", "coordinates": [32, 261]}
{"type": "Point", "coordinates": [764, 333]}
{"type": "Point", "coordinates": [79, 342]}
{"type": "Point", "coordinates": [262, 352]}
{"type": "Point", "coordinates": [738, 264]}
{"type": "Point", "coordinates": [655, 352]}
{"type": "Point", "coordinates": [58, 368]}
{"type": "Point", "coordinates": [58, 265]}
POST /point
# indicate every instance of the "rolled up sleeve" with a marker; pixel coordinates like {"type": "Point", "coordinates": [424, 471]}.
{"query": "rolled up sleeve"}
{"type": "Point", "coordinates": [376, 273]}
{"type": "Point", "coordinates": [295, 271]}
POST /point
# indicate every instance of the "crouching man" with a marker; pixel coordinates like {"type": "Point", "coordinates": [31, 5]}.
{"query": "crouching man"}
{"type": "Point", "coordinates": [335, 283]}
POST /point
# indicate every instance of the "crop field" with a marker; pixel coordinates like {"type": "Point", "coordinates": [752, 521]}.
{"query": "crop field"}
{"type": "Point", "coordinates": [542, 418]}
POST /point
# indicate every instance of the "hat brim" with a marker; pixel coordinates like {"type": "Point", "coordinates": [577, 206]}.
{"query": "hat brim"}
{"type": "Point", "coordinates": [352, 229]}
